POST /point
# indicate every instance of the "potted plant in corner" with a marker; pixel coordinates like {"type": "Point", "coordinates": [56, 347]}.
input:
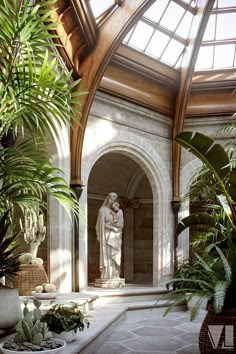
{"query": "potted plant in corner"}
{"type": "Point", "coordinates": [221, 176]}
{"type": "Point", "coordinates": [37, 100]}
{"type": "Point", "coordinates": [186, 286]}
{"type": "Point", "coordinates": [10, 308]}
{"type": "Point", "coordinates": [65, 321]}
{"type": "Point", "coordinates": [32, 334]}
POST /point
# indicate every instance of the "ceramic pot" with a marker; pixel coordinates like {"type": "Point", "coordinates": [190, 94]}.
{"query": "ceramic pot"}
{"type": "Point", "coordinates": [47, 351]}
{"type": "Point", "coordinates": [10, 307]}
{"type": "Point", "coordinates": [67, 336]}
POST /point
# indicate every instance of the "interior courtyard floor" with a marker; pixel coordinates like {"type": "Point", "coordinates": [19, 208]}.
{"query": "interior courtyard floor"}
{"type": "Point", "coordinates": [130, 320]}
{"type": "Point", "coordinates": [147, 331]}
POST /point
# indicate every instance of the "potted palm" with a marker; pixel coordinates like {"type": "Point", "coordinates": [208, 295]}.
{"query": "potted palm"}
{"type": "Point", "coordinates": [221, 172]}
{"type": "Point", "coordinates": [37, 100]}
{"type": "Point", "coordinates": [9, 266]}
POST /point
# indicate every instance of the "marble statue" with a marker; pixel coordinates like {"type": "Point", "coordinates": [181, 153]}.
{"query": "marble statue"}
{"type": "Point", "coordinates": [109, 226]}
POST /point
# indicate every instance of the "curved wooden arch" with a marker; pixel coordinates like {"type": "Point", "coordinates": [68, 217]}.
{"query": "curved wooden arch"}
{"type": "Point", "coordinates": [93, 66]}
{"type": "Point", "coordinates": [196, 33]}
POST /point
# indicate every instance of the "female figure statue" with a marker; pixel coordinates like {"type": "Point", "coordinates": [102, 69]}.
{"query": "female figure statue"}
{"type": "Point", "coordinates": [109, 227]}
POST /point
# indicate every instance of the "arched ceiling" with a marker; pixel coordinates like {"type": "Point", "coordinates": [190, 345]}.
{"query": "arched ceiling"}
{"type": "Point", "coordinates": [115, 172]}
{"type": "Point", "coordinates": [94, 51]}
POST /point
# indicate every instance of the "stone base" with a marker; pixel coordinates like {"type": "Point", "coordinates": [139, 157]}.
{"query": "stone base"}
{"type": "Point", "coordinates": [110, 283]}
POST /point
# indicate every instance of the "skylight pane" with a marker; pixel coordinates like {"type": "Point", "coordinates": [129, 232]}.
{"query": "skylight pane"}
{"type": "Point", "coordinates": [226, 28]}
{"type": "Point", "coordinates": [205, 58]}
{"type": "Point", "coordinates": [226, 3]}
{"type": "Point", "coordinates": [224, 56]}
{"type": "Point", "coordinates": [141, 35]}
{"type": "Point", "coordinates": [155, 12]}
{"type": "Point", "coordinates": [99, 7]}
{"type": "Point", "coordinates": [157, 44]}
{"type": "Point", "coordinates": [172, 16]}
{"type": "Point", "coordinates": [126, 39]}
{"type": "Point", "coordinates": [172, 52]}
{"type": "Point", "coordinates": [184, 26]}
{"type": "Point", "coordinates": [210, 29]}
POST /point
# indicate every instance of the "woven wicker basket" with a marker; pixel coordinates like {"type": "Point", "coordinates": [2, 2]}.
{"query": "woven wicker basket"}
{"type": "Point", "coordinates": [216, 340]}
{"type": "Point", "coordinates": [29, 277]}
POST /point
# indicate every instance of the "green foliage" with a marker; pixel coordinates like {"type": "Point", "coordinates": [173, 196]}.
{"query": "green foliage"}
{"type": "Point", "coordinates": [65, 318]}
{"type": "Point", "coordinates": [217, 182]}
{"type": "Point", "coordinates": [9, 258]}
{"type": "Point", "coordinates": [38, 98]}
{"type": "Point", "coordinates": [30, 328]}
{"type": "Point", "coordinates": [209, 277]}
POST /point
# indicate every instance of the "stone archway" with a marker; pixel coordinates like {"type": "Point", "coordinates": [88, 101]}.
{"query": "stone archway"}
{"type": "Point", "coordinates": [119, 173]}
{"type": "Point", "coordinates": [148, 158]}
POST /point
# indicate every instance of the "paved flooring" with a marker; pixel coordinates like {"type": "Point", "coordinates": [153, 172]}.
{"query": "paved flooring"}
{"type": "Point", "coordinates": [147, 331]}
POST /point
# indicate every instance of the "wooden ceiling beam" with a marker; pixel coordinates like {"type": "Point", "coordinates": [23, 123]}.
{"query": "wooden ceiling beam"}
{"type": "Point", "coordinates": [204, 8]}
{"type": "Point", "coordinates": [92, 68]}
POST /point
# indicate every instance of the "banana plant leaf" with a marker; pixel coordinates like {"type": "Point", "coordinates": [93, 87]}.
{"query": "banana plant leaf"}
{"type": "Point", "coordinates": [214, 156]}
{"type": "Point", "coordinates": [202, 219]}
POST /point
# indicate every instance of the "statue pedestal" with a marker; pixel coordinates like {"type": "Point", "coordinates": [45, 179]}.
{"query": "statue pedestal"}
{"type": "Point", "coordinates": [110, 283]}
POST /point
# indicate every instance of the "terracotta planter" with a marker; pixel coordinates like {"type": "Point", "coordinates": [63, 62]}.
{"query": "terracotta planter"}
{"type": "Point", "coordinates": [10, 308]}
{"type": "Point", "coordinates": [218, 332]}
{"type": "Point", "coordinates": [29, 277]}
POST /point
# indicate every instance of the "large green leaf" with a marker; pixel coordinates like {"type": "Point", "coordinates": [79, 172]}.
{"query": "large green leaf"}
{"type": "Point", "coordinates": [37, 98]}
{"type": "Point", "coordinates": [198, 219]}
{"type": "Point", "coordinates": [207, 150]}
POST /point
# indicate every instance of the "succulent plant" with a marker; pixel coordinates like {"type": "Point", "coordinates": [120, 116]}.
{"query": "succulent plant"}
{"type": "Point", "coordinates": [31, 329]}
{"type": "Point", "coordinates": [34, 231]}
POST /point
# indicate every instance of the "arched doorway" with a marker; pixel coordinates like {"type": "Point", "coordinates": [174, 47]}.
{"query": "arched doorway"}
{"type": "Point", "coordinates": [116, 172]}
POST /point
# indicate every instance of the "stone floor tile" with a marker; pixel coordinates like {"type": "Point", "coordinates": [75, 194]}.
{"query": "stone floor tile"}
{"type": "Point", "coordinates": [158, 331]}
{"type": "Point", "coordinates": [189, 338]}
{"type": "Point", "coordinates": [190, 349]}
{"type": "Point", "coordinates": [163, 322]}
{"type": "Point", "coordinates": [118, 336]}
{"type": "Point", "coordinates": [128, 325]}
{"type": "Point", "coordinates": [110, 348]}
{"type": "Point", "coordinates": [154, 344]}
{"type": "Point", "coordinates": [190, 327]}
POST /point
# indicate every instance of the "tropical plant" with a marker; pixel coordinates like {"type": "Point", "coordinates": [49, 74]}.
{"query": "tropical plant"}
{"type": "Point", "coordinates": [222, 221]}
{"type": "Point", "coordinates": [9, 259]}
{"type": "Point", "coordinates": [65, 317]}
{"type": "Point", "coordinates": [37, 100]}
{"type": "Point", "coordinates": [208, 277]}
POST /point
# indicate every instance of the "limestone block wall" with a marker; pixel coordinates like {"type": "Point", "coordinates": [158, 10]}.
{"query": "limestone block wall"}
{"type": "Point", "coordinates": [143, 243]}
{"type": "Point", "coordinates": [117, 126]}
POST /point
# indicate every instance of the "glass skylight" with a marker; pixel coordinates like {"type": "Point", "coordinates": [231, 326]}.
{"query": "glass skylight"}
{"type": "Point", "coordinates": [167, 25]}
{"type": "Point", "coordinates": [100, 6]}
{"type": "Point", "coordinates": [218, 47]}
{"type": "Point", "coordinates": [163, 31]}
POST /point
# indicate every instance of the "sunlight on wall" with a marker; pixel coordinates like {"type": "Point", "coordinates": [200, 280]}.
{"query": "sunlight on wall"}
{"type": "Point", "coordinates": [60, 275]}
{"type": "Point", "coordinates": [100, 131]}
{"type": "Point", "coordinates": [62, 140]}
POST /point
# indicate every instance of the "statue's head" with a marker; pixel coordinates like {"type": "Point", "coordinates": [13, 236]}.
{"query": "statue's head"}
{"type": "Point", "coordinates": [110, 199]}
